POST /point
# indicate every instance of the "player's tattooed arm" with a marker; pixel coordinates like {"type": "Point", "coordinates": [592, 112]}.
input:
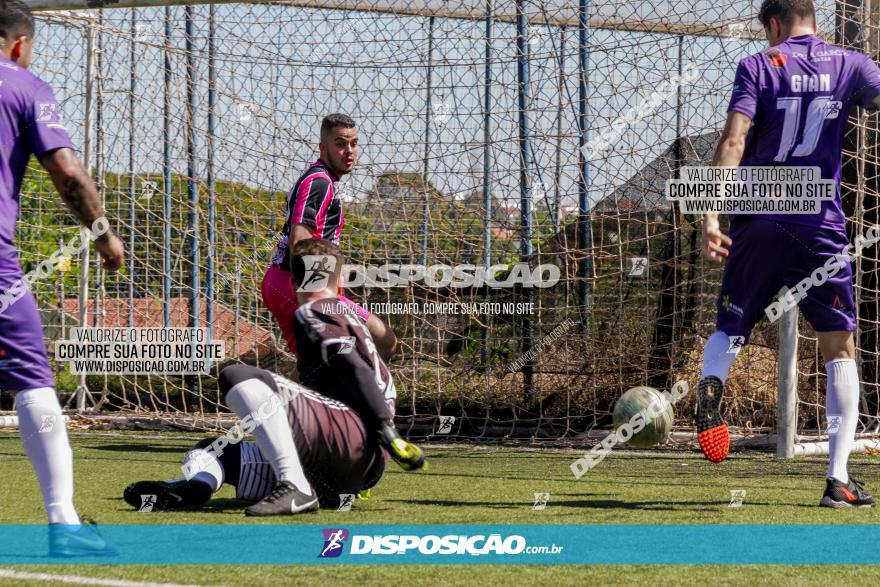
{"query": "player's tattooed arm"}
{"type": "Point", "coordinates": [80, 194]}
{"type": "Point", "coordinates": [304, 214]}
{"type": "Point", "coordinates": [732, 144]}
{"type": "Point", "coordinates": [73, 184]}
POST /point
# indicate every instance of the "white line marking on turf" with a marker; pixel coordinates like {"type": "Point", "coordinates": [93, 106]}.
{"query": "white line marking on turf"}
{"type": "Point", "coordinates": [75, 579]}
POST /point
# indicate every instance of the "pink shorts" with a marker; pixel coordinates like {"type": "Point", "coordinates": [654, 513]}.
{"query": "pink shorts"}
{"type": "Point", "coordinates": [277, 291]}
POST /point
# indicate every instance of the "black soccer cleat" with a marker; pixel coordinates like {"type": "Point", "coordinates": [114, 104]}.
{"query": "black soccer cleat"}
{"type": "Point", "coordinates": [845, 495]}
{"type": "Point", "coordinates": [67, 540]}
{"type": "Point", "coordinates": [159, 496]}
{"type": "Point", "coordinates": [712, 432]}
{"type": "Point", "coordinates": [285, 500]}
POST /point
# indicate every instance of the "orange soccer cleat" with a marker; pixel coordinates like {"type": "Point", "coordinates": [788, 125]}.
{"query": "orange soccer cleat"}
{"type": "Point", "coordinates": [712, 432]}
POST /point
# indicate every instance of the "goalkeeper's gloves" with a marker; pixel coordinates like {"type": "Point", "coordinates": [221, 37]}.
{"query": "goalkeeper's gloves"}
{"type": "Point", "coordinates": [406, 454]}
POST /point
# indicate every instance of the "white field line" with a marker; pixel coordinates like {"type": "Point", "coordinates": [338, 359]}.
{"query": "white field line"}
{"type": "Point", "coordinates": [78, 580]}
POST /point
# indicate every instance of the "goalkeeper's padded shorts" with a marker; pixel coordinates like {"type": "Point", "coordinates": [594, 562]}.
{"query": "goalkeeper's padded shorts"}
{"type": "Point", "coordinates": [339, 455]}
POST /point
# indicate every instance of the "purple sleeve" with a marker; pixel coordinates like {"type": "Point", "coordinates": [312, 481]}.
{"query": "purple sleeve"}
{"type": "Point", "coordinates": [44, 127]}
{"type": "Point", "coordinates": [744, 98]}
{"type": "Point", "coordinates": [867, 86]}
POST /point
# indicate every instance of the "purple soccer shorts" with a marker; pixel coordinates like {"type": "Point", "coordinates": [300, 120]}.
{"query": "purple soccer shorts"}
{"type": "Point", "coordinates": [766, 255]}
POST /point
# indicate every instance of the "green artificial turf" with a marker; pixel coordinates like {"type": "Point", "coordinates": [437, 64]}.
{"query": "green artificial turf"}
{"type": "Point", "coordinates": [466, 485]}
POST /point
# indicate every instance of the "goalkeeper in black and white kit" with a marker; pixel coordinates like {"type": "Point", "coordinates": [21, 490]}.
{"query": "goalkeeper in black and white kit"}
{"type": "Point", "coordinates": [316, 441]}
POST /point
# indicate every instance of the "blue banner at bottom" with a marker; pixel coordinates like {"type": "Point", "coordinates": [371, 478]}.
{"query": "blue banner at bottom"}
{"type": "Point", "coordinates": [294, 544]}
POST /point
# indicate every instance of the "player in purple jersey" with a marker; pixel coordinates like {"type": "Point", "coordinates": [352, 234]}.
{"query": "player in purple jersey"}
{"type": "Point", "coordinates": [789, 107]}
{"type": "Point", "coordinates": [31, 124]}
{"type": "Point", "coordinates": [317, 442]}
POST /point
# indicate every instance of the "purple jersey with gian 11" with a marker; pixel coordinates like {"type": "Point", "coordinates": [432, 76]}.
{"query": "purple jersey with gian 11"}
{"type": "Point", "coordinates": [798, 94]}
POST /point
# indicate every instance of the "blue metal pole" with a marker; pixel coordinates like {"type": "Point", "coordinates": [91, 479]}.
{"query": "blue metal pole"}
{"type": "Point", "coordinates": [487, 163]}
{"type": "Point", "coordinates": [487, 141]}
{"type": "Point", "coordinates": [212, 103]}
{"type": "Point", "coordinates": [584, 268]}
{"type": "Point", "coordinates": [166, 168]}
{"type": "Point", "coordinates": [525, 179]}
{"type": "Point", "coordinates": [560, 91]}
{"type": "Point", "coordinates": [191, 190]}
{"type": "Point", "coordinates": [427, 211]}
{"type": "Point", "coordinates": [131, 171]}
{"type": "Point", "coordinates": [99, 157]}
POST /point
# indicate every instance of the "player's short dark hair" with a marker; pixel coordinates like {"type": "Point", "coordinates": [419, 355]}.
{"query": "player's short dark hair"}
{"type": "Point", "coordinates": [16, 20]}
{"type": "Point", "coordinates": [786, 11]}
{"type": "Point", "coordinates": [313, 246]}
{"type": "Point", "coordinates": [332, 121]}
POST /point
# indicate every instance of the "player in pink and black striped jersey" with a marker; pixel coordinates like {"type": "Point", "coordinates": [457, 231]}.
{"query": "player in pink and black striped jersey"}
{"type": "Point", "coordinates": [314, 210]}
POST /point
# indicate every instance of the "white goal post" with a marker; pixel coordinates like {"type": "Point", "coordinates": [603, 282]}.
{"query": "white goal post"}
{"type": "Point", "coordinates": [786, 414]}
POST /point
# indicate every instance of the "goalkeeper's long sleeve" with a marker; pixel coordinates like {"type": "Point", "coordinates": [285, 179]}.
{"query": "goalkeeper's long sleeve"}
{"type": "Point", "coordinates": [359, 382]}
{"type": "Point", "coordinates": [338, 359]}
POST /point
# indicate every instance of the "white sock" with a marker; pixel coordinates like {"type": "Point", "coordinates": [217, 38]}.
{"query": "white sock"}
{"type": "Point", "coordinates": [272, 433]}
{"type": "Point", "coordinates": [44, 436]}
{"type": "Point", "coordinates": [718, 356]}
{"type": "Point", "coordinates": [209, 469]}
{"type": "Point", "coordinates": [841, 414]}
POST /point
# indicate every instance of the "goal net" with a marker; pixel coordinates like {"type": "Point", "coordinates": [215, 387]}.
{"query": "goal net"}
{"type": "Point", "coordinates": [196, 120]}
